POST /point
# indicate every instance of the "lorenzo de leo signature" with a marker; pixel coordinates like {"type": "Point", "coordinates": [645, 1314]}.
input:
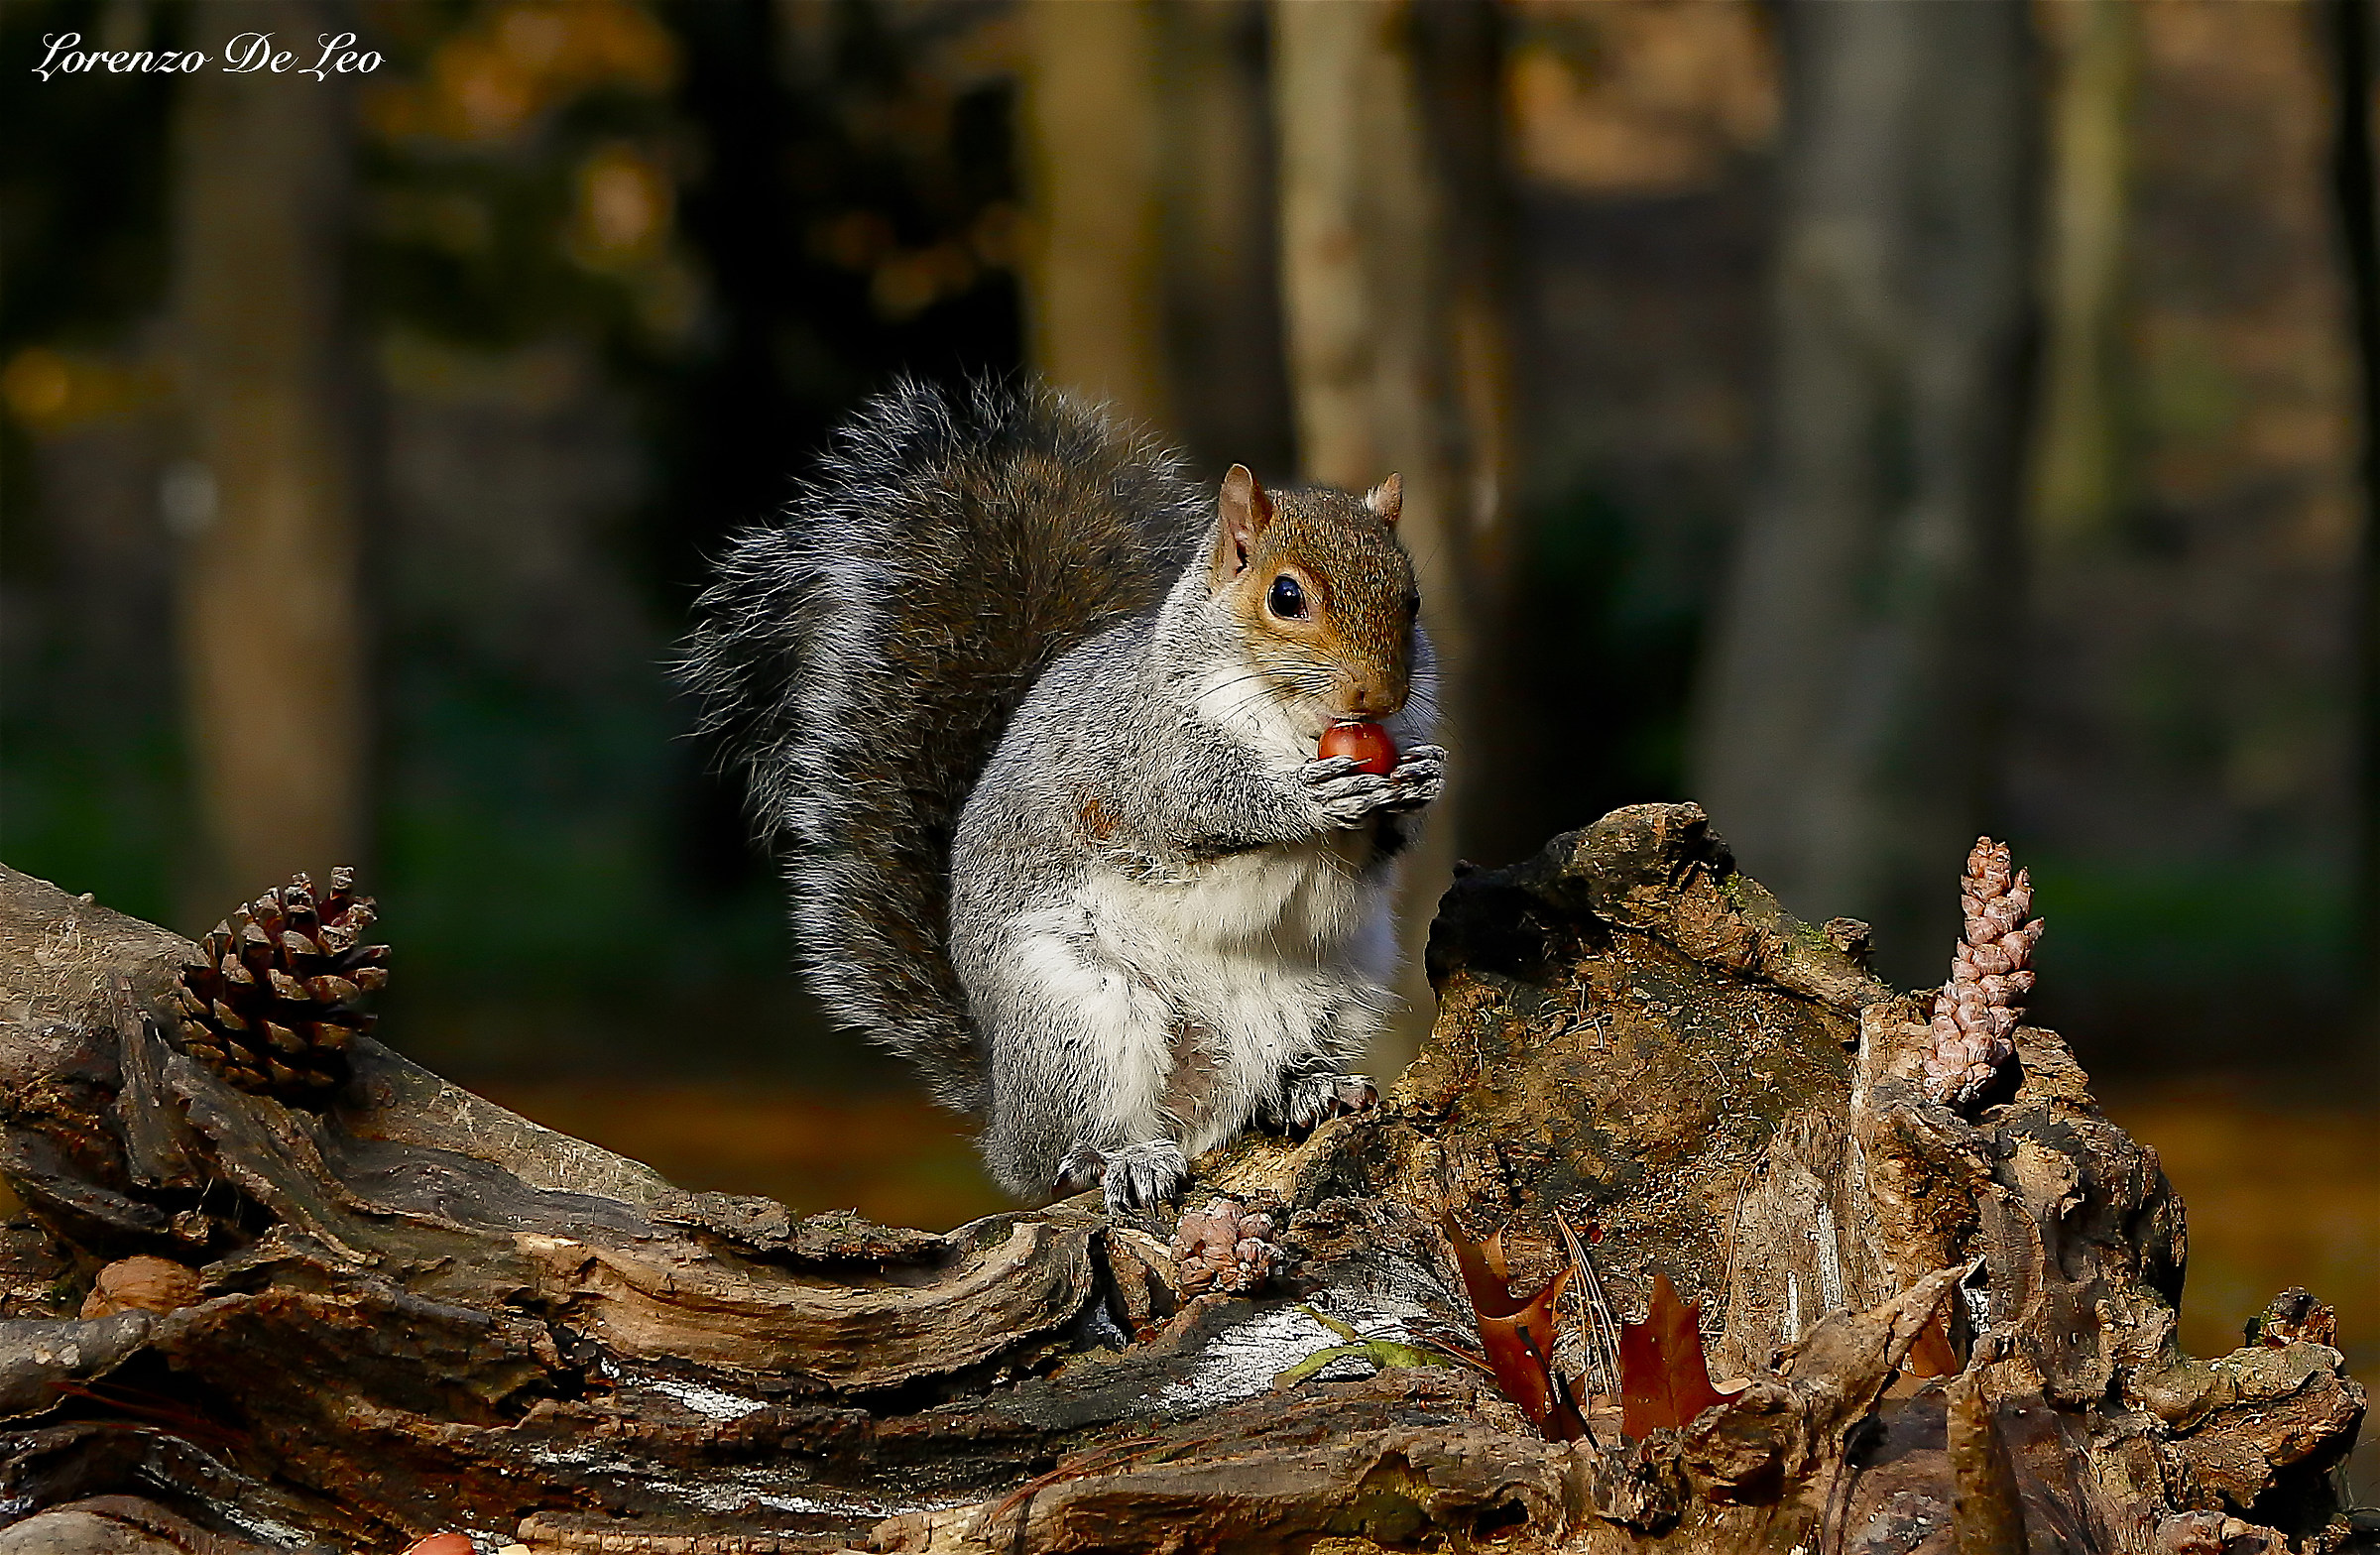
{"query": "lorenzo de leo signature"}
{"type": "Point", "coordinates": [244, 55]}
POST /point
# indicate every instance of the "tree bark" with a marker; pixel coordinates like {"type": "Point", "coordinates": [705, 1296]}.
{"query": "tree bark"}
{"type": "Point", "coordinates": [415, 1312]}
{"type": "Point", "coordinates": [1845, 721]}
{"type": "Point", "coordinates": [273, 637]}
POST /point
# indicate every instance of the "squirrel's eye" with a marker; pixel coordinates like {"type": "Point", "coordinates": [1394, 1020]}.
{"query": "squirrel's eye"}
{"type": "Point", "coordinates": [1287, 600]}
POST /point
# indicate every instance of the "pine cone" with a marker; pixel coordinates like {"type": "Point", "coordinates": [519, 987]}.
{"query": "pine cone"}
{"type": "Point", "coordinates": [1976, 1011]}
{"type": "Point", "coordinates": [1229, 1248]}
{"type": "Point", "coordinates": [277, 994]}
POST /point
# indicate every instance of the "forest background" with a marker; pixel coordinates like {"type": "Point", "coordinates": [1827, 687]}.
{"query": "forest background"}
{"type": "Point", "coordinates": [1881, 422]}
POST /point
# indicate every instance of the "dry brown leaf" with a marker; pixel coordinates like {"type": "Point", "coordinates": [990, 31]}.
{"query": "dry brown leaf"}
{"type": "Point", "coordinates": [1517, 1336]}
{"type": "Point", "coordinates": [1664, 1380]}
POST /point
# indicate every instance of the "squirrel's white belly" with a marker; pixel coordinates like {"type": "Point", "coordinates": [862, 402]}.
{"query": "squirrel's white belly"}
{"type": "Point", "coordinates": [1267, 962]}
{"type": "Point", "coordinates": [1310, 895]}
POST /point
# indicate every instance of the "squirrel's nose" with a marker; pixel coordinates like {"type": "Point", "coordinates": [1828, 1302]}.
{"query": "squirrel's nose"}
{"type": "Point", "coordinates": [1370, 699]}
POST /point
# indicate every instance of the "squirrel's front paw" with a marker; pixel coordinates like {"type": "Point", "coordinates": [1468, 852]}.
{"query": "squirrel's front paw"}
{"type": "Point", "coordinates": [1345, 796]}
{"type": "Point", "coordinates": [1418, 778]}
{"type": "Point", "coordinates": [1132, 1177]}
{"type": "Point", "coordinates": [1313, 1098]}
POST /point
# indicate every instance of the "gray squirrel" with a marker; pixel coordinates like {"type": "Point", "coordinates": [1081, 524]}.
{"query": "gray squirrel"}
{"type": "Point", "coordinates": [1035, 725]}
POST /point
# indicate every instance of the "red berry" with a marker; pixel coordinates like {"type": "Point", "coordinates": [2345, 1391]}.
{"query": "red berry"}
{"type": "Point", "coordinates": [1373, 750]}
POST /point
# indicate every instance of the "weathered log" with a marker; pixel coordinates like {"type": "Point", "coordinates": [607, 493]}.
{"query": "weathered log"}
{"type": "Point", "coordinates": [417, 1311]}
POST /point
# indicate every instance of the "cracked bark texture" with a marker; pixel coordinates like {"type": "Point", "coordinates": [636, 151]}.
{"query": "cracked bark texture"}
{"type": "Point", "coordinates": [417, 1311]}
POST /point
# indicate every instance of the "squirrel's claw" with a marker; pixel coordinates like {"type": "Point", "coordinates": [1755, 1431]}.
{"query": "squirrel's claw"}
{"type": "Point", "coordinates": [1344, 796]}
{"type": "Point", "coordinates": [1418, 778]}
{"type": "Point", "coordinates": [1348, 796]}
{"type": "Point", "coordinates": [1138, 1176]}
{"type": "Point", "coordinates": [1079, 1169]}
{"type": "Point", "coordinates": [1314, 1098]}
{"type": "Point", "coordinates": [1356, 1093]}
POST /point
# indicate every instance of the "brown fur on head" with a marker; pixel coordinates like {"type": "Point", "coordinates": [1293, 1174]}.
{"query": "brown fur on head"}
{"type": "Point", "coordinates": [1349, 650]}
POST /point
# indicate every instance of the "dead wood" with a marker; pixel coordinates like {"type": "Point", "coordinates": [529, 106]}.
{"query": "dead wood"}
{"type": "Point", "coordinates": [416, 1311]}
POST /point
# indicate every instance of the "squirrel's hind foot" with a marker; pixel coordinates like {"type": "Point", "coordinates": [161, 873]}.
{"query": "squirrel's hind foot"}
{"type": "Point", "coordinates": [1132, 1178]}
{"type": "Point", "coordinates": [1314, 1098]}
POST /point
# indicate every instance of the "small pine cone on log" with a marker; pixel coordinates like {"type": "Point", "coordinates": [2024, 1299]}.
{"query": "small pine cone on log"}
{"type": "Point", "coordinates": [277, 992]}
{"type": "Point", "coordinates": [1977, 1012]}
{"type": "Point", "coordinates": [1227, 1249]}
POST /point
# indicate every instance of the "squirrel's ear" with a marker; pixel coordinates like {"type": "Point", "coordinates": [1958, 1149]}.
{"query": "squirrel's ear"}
{"type": "Point", "coordinates": [1244, 511]}
{"type": "Point", "coordinates": [1386, 500]}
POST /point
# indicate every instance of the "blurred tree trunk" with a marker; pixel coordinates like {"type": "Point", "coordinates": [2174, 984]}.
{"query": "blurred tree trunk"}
{"type": "Point", "coordinates": [1092, 154]}
{"type": "Point", "coordinates": [271, 630]}
{"type": "Point", "coordinates": [2094, 68]}
{"type": "Point", "coordinates": [1149, 167]}
{"type": "Point", "coordinates": [2349, 37]}
{"type": "Point", "coordinates": [1228, 384]}
{"type": "Point", "coordinates": [1393, 222]}
{"type": "Point", "coordinates": [1845, 732]}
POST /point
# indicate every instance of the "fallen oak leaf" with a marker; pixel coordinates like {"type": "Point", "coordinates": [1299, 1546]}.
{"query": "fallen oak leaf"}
{"type": "Point", "coordinates": [1517, 1336]}
{"type": "Point", "coordinates": [1664, 1379]}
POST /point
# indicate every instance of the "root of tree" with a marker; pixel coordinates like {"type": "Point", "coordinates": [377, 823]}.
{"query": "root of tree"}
{"type": "Point", "coordinates": [1931, 1328]}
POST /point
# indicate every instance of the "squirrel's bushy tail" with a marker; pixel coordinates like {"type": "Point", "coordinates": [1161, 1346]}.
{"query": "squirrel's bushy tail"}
{"type": "Point", "coordinates": [861, 658]}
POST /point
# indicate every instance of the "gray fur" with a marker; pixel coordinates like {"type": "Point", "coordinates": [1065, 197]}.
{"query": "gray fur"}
{"type": "Point", "coordinates": [1058, 924]}
{"type": "Point", "coordinates": [1163, 919]}
{"type": "Point", "coordinates": [861, 656]}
